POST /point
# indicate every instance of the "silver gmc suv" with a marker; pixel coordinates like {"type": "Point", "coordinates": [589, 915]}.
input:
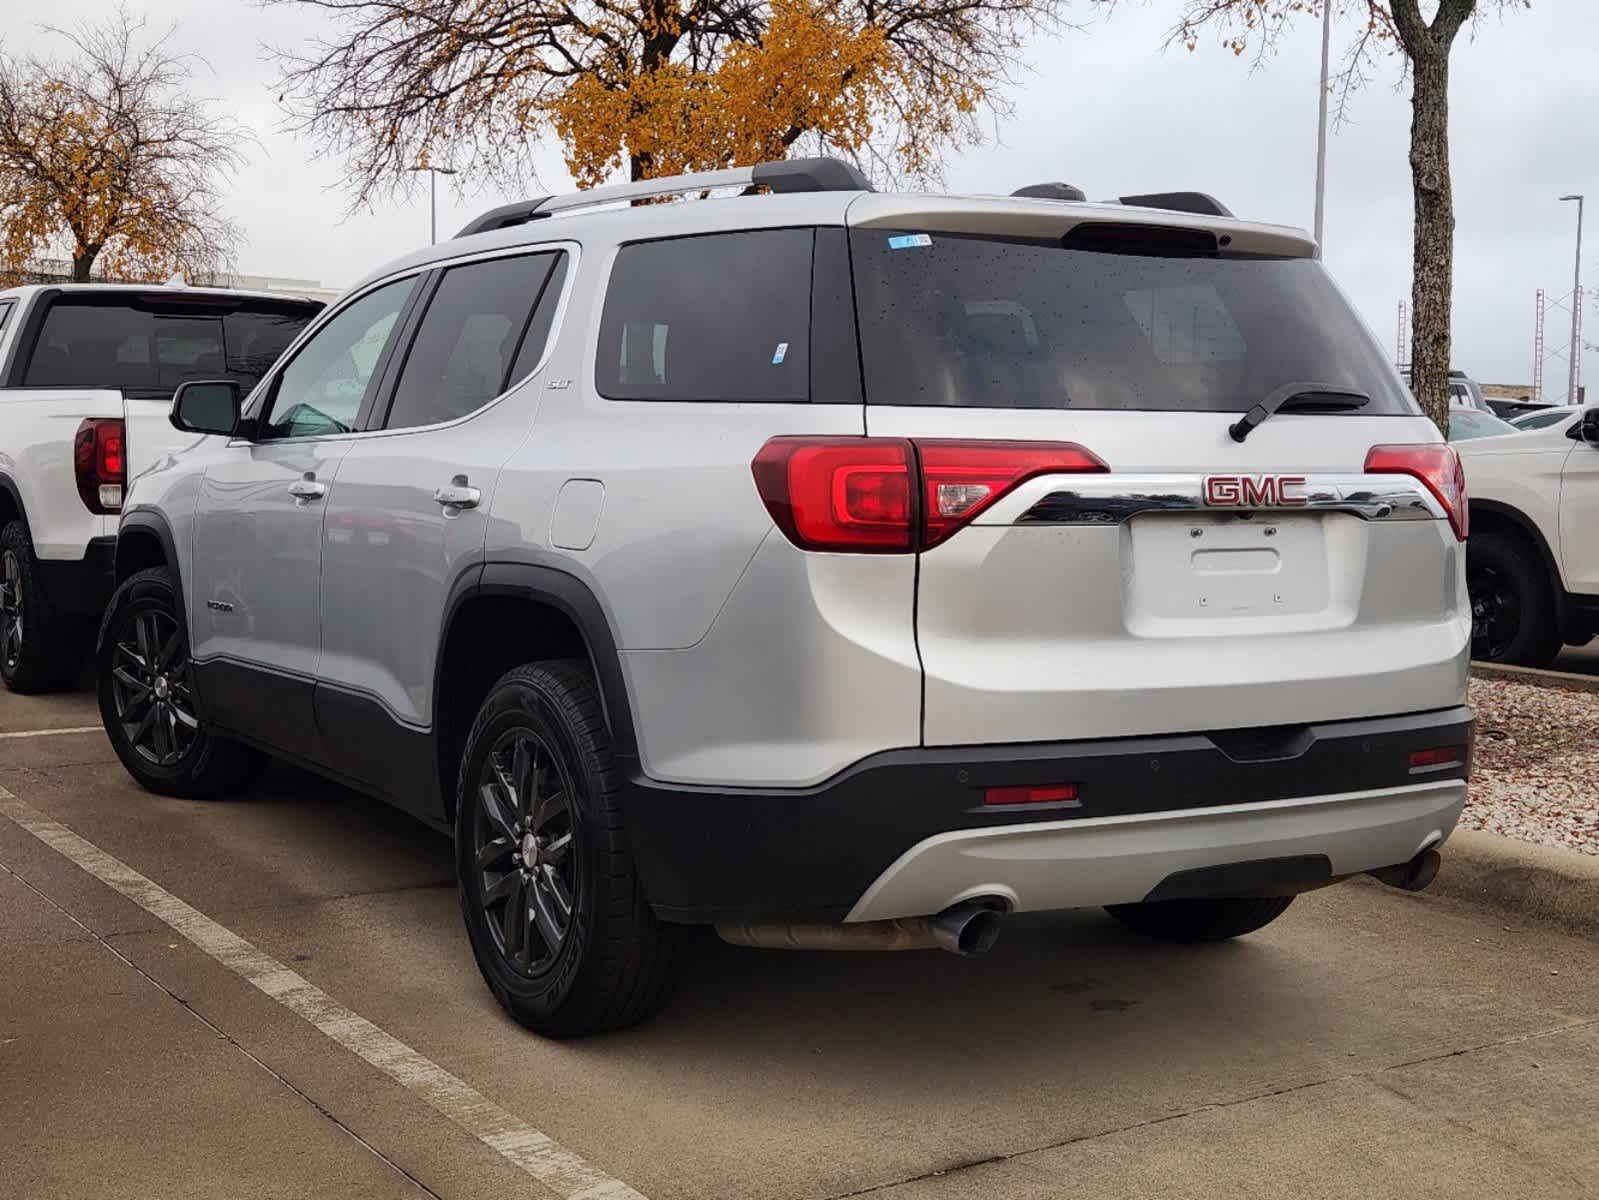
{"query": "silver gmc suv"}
{"type": "Point", "coordinates": [837, 568]}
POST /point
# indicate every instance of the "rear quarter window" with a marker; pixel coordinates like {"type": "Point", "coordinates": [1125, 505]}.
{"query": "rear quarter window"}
{"type": "Point", "coordinates": [718, 317]}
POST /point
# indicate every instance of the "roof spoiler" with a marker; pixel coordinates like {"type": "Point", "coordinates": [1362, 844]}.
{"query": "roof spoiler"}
{"type": "Point", "coordinates": [1184, 202]}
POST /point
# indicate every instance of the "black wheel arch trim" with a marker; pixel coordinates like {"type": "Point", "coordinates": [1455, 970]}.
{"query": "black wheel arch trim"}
{"type": "Point", "coordinates": [572, 597]}
{"type": "Point", "coordinates": [10, 488]}
{"type": "Point", "coordinates": [144, 522]}
{"type": "Point", "coordinates": [1529, 529]}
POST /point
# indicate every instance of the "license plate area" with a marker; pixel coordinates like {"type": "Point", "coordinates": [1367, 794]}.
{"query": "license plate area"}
{"type": "Point", "coordinates": [1226, 572]}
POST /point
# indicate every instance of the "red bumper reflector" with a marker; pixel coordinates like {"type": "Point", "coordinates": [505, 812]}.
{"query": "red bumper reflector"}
{"type": "Point", "coordinates": [1053, 793]}
{"type": "Point", "coordinates": [1444, 756]}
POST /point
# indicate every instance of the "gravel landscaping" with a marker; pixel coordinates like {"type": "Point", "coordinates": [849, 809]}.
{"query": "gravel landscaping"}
{"type": "Point", "coordinates": [1536, 775]}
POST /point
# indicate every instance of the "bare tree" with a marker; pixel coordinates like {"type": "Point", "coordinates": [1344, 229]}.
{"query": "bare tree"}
{"type": "Point", "coordinates": [107, 159]}
{"type": "Point", "coordinates": [1381, 26]}
{"type": "Point", "coordinates": [655, 87]}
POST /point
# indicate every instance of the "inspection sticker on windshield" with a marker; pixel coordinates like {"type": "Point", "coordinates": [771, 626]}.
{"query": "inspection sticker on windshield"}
{"type": "Point", "coordinates": [906, 241]}
{"type": "Point", "coordinates": [780, 353]}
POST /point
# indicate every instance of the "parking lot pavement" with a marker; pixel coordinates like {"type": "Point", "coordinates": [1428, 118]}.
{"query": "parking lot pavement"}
{"type": "Point", "coordinates": [1369, 1043]}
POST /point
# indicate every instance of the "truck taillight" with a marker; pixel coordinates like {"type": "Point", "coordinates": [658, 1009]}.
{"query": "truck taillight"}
{"type": "Point", "coordinates": [1438, 466]}
{"type": "Point", "coordinates": [100, 465]}
{"type": "Point", "coordinates": [895, 495]}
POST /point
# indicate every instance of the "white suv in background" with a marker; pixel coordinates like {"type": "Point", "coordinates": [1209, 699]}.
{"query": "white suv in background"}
{"type": "Point", "coordinates": [1533, 560]}
{"type": "Point", "coordinates": [837, 568]}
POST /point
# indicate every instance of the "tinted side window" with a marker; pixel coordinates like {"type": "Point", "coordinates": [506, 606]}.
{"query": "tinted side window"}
{"type": "Point", "coordinates": [5, 313]}
{"type": "Point", "coordinates": [538, 329]}
{"type": "Point", "coordinates": [462, 355]}
{"type": "Point", "coordinates": [720, 317]}
{"type": "Point", "coordinates": [321, 389]}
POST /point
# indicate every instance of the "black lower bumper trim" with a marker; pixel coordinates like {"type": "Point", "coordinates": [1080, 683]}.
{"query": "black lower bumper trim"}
{"type": "Point", "coordinates": [713, 854]}
{"type": "Point", "coordinates": [1255, 877]}
{"type": "Point", "coordinates": [81, 587]}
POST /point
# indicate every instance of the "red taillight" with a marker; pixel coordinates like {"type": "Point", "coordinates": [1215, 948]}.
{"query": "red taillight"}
{"type": "Point", "coordinates": [961, 479]}
{"type": "Point", "coordinates": [1432, 760]}
{"type": "Point", "coordinates": [839, 493]}
{"type": "Point", "coordinates": [893, 495]}
{"type": "Point", "coordinates": [1437, 465]}
{"type": "Point", "coordinates": [1052, 793]}
{"type": "Point", "coordinates": [99, 463]}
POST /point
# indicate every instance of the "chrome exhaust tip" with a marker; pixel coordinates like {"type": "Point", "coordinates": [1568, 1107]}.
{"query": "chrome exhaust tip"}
{"type": "Point", "coordinates": [1413, 876]}
{"type": "Point", "coordinates": [966, 929]}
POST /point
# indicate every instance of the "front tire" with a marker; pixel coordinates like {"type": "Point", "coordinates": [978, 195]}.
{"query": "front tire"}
{"type": "Point", "coordinates": [147, 702]}
{"type": "Point", "coordinates": [1200, 920]}
{"type": "Point", "coordinates": [1512, 604]}
{"type": "Point", "coordinates": [553, 907]}
{"type": "Point", "coordinates": [41, 649]}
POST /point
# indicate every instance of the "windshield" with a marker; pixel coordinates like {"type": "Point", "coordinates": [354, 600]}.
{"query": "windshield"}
{"type": "Point", "coordinates": [1467, 423]}
{"type": "Point", "coordinates": [984, 322]}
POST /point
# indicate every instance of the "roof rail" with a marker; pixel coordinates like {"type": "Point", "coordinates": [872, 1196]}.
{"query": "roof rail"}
{"type": "Point", "coordinates": [1051, 191]}
{"type": "Point", "coordinates": [503, 217]}
{"type": "Point", "coordinates": [1186, 202]}
{"type": "Point", "coordinates": [786, 175]}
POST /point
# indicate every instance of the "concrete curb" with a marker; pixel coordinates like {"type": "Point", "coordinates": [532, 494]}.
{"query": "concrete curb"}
{"type": "Point", "coordinates": [1536, 883]}
{"type": "Point", "coordinates": [1536, 675]}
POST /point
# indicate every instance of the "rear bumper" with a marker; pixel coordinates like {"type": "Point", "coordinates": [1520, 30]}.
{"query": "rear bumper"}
{"type": "Point", "coordinates": [81, 586]}
{"type": "Point", "coordinates": [905, 833]}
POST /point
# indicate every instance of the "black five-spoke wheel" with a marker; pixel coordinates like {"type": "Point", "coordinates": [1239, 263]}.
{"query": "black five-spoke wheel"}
{"type": "Point", "coordinates": [10, 609]}
{"type": "Point", "coordinates": [1495, 611]}
{"type": "Point", "coordinates": [523, 847]}
{"type": "Point", "coordinates": [150, 688]}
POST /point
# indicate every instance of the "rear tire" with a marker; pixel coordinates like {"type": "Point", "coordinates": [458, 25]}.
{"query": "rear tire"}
{"type": "Point", "coordinates": [1201, 920]}
{"type": "Point", "coordinates": [41, 649]}
{"type": "Point", "coordinates": [553, 906]}
{"type": "Point", "coordinates": [1512, 602]}
{"type": "Point", "coordinates": [144, 679]}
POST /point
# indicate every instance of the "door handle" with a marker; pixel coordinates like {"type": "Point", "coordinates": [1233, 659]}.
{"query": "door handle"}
{"type": "Point", "coordinates": [458, 494]}
{"type": "Point", "coordinates": [308, 489]}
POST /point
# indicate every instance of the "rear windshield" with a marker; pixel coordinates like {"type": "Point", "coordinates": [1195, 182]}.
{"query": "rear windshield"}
{"type": "Point", "coordinates": [149, 347]}
{"type": "Point", "coordinates": [983, 322]}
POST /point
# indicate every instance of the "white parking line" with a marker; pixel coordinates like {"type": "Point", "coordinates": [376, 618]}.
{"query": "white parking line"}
{"type": "Point", "coordinates": [27, 733]}
{"type": "Point", "coordinates": [540, 1156]}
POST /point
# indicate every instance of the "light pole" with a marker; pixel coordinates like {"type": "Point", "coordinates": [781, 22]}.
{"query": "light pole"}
{"type": "Point", "coordinates": [433, 198]}
{"type": "Point", "coordinates": [1576, 308]}
{"type": "Point", "coordinates": [1321, 123]}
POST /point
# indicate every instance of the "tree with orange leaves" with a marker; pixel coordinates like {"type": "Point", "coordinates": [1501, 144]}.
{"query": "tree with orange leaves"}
{"type": "Point", "coordinates": [107, 160]}
{"type": "Point", "coordinates": [654, 87]}
{"type": "Point", "coordinates": [1383, 27]}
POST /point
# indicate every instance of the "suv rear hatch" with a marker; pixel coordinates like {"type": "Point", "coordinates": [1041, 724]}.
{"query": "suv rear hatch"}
{"type": "Point", "coordinates": [1173, 578]}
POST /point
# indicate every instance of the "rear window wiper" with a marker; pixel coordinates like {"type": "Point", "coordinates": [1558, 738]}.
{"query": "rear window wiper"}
{"type": "Point", "coordinates": [1299, 397]}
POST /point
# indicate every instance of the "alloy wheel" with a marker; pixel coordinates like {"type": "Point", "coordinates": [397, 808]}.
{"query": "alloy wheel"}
{"type": "Point", "coordinates": [523, 831]}
{"type": "Point", "coordinates": [10, 609]}
{"type": "Point", "coordinates": [1495, 611]}
{"type": "Point", "coordinates": [151, 689]}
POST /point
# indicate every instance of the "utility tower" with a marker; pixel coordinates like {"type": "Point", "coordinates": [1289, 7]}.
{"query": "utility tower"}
{"type": "Point", "coordinates": [1537, 353]}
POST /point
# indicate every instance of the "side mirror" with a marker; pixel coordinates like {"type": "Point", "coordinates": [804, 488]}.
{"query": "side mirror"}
{"type": "Point", "coordinates": [206, 406]}
{"type": "Point", "coordinates": [1587, 429]}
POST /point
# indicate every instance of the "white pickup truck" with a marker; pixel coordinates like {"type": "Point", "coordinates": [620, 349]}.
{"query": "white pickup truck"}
{"type": "Point", "coordinates": [87, 374]}
{"type": "Point", "coordinates": [1532, 559]}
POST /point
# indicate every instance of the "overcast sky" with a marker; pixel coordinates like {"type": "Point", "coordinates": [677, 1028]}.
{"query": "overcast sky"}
{"type": "Point", "coordinates": [1108, 110]}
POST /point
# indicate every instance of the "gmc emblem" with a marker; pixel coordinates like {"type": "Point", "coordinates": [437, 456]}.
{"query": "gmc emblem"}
{"type": "Point", "coordinates": [1254, 491]}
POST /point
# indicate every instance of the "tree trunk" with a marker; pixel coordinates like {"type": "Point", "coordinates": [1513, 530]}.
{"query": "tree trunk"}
{"type": "Point", "coordinates": [82, 264]}
{"type": "Point", "coordinates": [1432, 289]}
